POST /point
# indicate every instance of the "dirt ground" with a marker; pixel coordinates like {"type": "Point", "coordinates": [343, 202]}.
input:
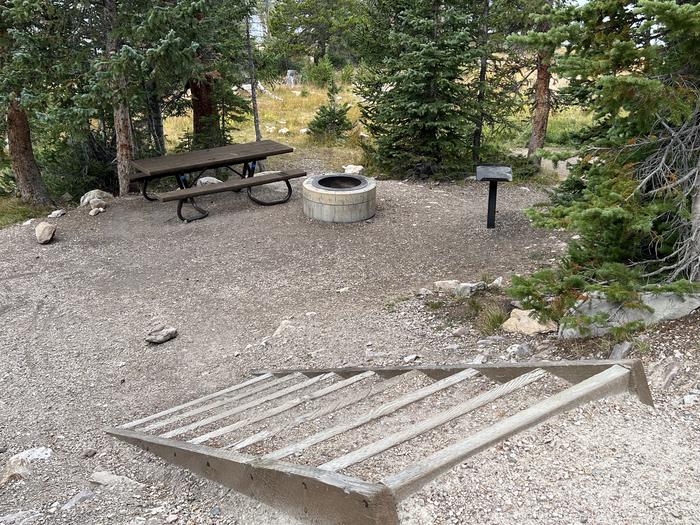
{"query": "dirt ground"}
{"type": "Point", "coordinates": [73, 361]}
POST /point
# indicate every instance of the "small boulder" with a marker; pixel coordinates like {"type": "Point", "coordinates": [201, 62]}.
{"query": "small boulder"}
{"type": "Point", "coordinates": [161, 335]}
{"type": "Point", "coordinates": [81, 496]}
{"type": "Point", "coordinates": [56, 214]}
{"type": "Point", "coordinates": [44, 232]}
{"type": "Point", "coordinates": [447, 286]}
{"type": "Point", "coordinates": [28, 222]}
{"type": "Point", "coordinates": [203, 181]}
{"type": "Point", "coordinates": [94, 194]}
{"type": "Point", "coordinates": [411, 358]}
{"type": "Point", "coordinates": [620, 350]}
{"type": "Point", "coordinates": [469, 289]}
{"type": "Point", "coordinates": [98, 203]}
{"type": "Point", "coordinates": [521, 322]}
{"type": "Point", "coordinates": [112, 481]}
{"type": "Point", "coordinates": [283, 131]}
{"type": "Point", "coordinates": [304, 131]}
{"type": "Point", "coordinates": [519, 350]}
{"type": "Point", "coordinates": [354, 169]}
{"type": "Point", "coordinates": [96, 211]}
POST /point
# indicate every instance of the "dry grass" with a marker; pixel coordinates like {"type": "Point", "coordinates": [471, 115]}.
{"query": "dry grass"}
{"type": "Point", "coordinates": [13, 210]}
{"type": "Point", "coordinates": [289, 108]}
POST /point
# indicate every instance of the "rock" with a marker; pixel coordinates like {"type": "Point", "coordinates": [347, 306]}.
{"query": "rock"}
{"type": "Point", "coordinates": [172, 518]}
{"type": "Point", "coordinates": [15, 470]}
{"type": "Point", "coordinates": [23, 517]}
{"type": "Point", "coordinates": [691, 399]}
{"type": "Point", "coordinates": [110, 480]}
{"type": "Point", "coordinates": [343, 290]}
{"type": "Point", "coordinates": [363, 135]}
{"type": "Point", "coordinates": [304, 131]}
{"type": "Point", "coordinates": [424, 292]}
{"type": "Point", "coordinates": [292, 78]}
{"type": "Point", "coordinates": [96, 211]}
{"type": "Point", "coordinates": [94, 194]}
{"type": "Point", "coordinates": [89, 453]}
{"type": "Point", "coordinates": [28, 222]}
{"type": "Point", "coordinates": [411, 358]}
{"type": "Point", "coordinates": [468, 289]}
{"type": "Point", "coordinates": [56, 214]}
{"type": "Point", "coordinates": [447, 286]}
{"type": "Point", "coordinates": [520, 322]}
{"type": "Point", "coordinates": [481, 358]}
{"type": "Point", "coordinates": [81, 496]}
{"type": "Point", "coordinates": [663, 374]}
{"type": "Point", "coordinates": [461, 331]}
{"type": "Point", "coordinates": [284, 327]}
{"type": "Point", "coordinates": [283, 131]}
{"type": "Point", "coordinates": [661, 307]}
{"type": "Point", "coordinates": [98, 203]}
{"type": "Point", "coordinates": [354, 169]}
{"type": "Point", "coordinates": [620, 350]}
{"type": "Point", "coordinates": [44, 232]}
{"type": "Point", "coordinates": [215, 511]}
{"type": "Point", "coordinates": [35, 454]}
{"type": "Point", "coordinates": [497, 283]}
{"type": "Point", "coordinates": [161, 335]}
{"type": "Point", "coordinates": [519, 350]}
{"type": "Point", "coordinates": [203, 181]}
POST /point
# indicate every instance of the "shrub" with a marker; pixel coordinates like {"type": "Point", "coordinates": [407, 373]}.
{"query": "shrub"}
{"type": "Point", "coordinates": [321, 74]}
{"type": "Point", "coordinates": [331, 121]}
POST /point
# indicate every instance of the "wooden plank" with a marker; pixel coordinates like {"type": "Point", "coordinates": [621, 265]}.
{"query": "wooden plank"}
{"type": "Point", "coordinates": [316, 414]}
{"type": "Point", "coordinates": [274, 411]}
{"type": "Point", "coordinates": [169, 411]}
{"type": "Point", "coordinates": [207, 158]}
{"type": "Point", "coordinates": [222, 402]}
{"type": "Point", "coordinates": [614, 380]}
{"type": "Point", "coordinates": [246, 406]}
{"type": "Point", "coordinates": [373, 414]}
{"type": "Point", "coordinates": [572, 371]}
{"type": "Point", "coordinates": [305, 493]}
{"type": "Point", "coordinates": [372, 449]}
{"type": "Point", "coordinates": [229, 185]}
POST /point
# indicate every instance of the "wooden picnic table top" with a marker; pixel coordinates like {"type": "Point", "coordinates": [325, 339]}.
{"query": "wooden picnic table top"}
{"type": "Point", "coordinates": [206, 158]}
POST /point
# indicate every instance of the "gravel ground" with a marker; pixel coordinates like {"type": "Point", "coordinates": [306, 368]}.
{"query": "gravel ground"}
{"type": "Point", "coordinates": [74, 314]}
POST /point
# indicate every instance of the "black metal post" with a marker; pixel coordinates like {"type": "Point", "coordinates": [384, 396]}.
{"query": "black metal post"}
{"type": "Point", "coordinates": [491, 214]}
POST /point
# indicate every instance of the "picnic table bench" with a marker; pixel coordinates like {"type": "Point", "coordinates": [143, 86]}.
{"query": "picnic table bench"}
{"type": "Point", "coordinates": [188, 167]}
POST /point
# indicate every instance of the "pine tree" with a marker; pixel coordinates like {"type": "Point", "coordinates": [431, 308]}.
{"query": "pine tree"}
{"type": "Point", "coordinates": [331, 121]}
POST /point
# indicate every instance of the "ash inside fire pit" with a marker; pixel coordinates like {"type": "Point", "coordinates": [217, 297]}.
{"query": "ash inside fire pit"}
{"type": "Point", "coordinates": [338, 197]}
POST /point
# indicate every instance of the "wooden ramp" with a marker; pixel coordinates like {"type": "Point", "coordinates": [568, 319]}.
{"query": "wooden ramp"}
{"type": "Point", "coordinates": [253, 436]}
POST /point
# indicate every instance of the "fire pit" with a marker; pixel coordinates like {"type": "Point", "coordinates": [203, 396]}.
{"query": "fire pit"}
{"type": "Point", "coordinates": [340, 197]}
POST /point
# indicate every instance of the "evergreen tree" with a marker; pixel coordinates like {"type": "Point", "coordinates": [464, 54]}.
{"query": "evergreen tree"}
{"type": "Point", "coordinates": [331, 121]}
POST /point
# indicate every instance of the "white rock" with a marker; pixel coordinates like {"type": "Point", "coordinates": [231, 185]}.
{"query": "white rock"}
{"type": "Point", "coordinates": [284, 327]}
{"type": "Point", "coordinates": [469, 289]}
{"type": "Point", "coordinates": [98, 203]}
{"type": "Point", "coordinates": [304, 131]}
{"type": "Point", "coordinates": [691, 399]}
{"type": "Point", "coordinates": [96, 211]}
{"type": "Point", "coordinates": [354, 169]}
{"type": "Point", "coordinates": [283, 131]}
{"type": "Point", "coordinates": [518, 350]}
{"type": "Point", "coordinates": [203, 181]}
{"type": "Point", "coordinates": [15, 469]}
{"type": "Point", "coordinates": [28, 222]}
{"type": "Point", "coordinates": [35, 454]}
{"type": "Point", "coordinates": [664, 306]}
{"type": "Point", "coordinates": [363, 135]}
{"type": "Point", "coordinates": [520, 322]}
{"type": "Point", "coordinates": [81, 496]}
{"type": "Point", "coordinates": [161, 334]}
{"type": "Point", "coordinates": [110, 480]}
{"type": "Point", "coordinates": [497, 283]}
{"type": "Point", "coordinates": [44, 232]}
{"type": "Point", "coordinates": [447, 286]}
{"type": "Point", "coordinates": [56, 214]}
{"type": "Point", "coordinates": [411, 358]}
{"type": "Point", "coordinates": [343, 290]}
{"type": "Point", "coordinates": [424, 292]}
{"type": "Point", "coordinates": [94, 194]}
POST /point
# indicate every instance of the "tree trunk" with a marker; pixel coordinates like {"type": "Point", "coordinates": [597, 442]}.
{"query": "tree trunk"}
{"type": "Point", "coordinates": [253, 82]}
{"type": "Point", "coordinates": [694, 273]}
{"type": "Point", "coordinates": [205, 123]}
{"type": "Point", "coordinates": [481, 92]}
{"type": "Point", "coordinates": [122, 119]}
{"type": "Point", "coordinates": [31, 185]}
{"type": "Point", "coordinates": [155, 117]}
{"type": "Point", "coordinates": [540, 115]}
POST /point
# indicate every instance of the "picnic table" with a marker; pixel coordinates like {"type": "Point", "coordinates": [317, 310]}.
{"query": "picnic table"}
{"type": "Point", "coordinates": [187, 168]}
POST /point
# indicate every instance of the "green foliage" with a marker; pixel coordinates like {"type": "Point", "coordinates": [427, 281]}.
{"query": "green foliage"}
{"type": "Point", "coordinates": [13, 211]}
{"type": "Point", "coordinates": [320, 74]}
{"type": "Point", "coordinates": [331, 121]}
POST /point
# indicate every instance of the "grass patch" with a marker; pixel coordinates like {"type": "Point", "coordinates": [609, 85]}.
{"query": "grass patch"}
{"type": "Point", "coordinates": [13, 211]}
{"type": "Point", "coordinates": [490, 318]}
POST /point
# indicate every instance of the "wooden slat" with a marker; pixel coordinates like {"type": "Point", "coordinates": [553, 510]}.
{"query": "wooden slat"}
{"type": "Point", "coordinates": [281, 408]}
{"type": "Point", "coordinates": [305, 493]}
{"type": "Point", "coordinates": [169, 411]}
{"type": "Point", "coordinates": [207, 158]}
{"type": "Point", "coordinates": [372, 449]}
{"type": "Point", "coordinates": [246, 406]}
{"type": "Point", "coordinates": [221, 402]}
{"type": "Point", "coordinates": [614, 380]}
{"type": "Point", "coordinates": [571, 371]}
{"type": "Point", "coordinates": [229, 185]}
{"type": "Point", "coordinates": [376, 413]}
{"type": "Point", "coordinates": [316, 414]}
